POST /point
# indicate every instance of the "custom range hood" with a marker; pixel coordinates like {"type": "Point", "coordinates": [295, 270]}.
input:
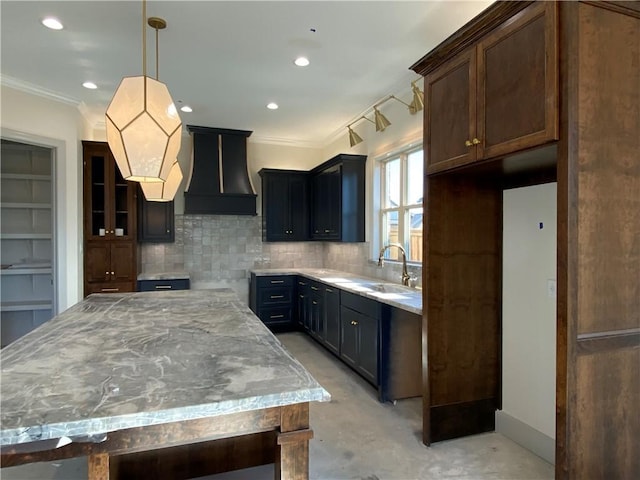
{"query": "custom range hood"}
{"type": "Point", "coordinates": [219, 181]}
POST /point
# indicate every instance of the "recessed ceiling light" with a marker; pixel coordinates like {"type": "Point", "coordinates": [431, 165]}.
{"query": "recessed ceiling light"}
{"type": "Point", "coordinates": [90, 85]}
{"type": "Point", "coordinates": [301, 61]}
{"type": "Point", "coordinates": [272, 106]}
{"type": "Point", "coordinates": [52, 23]}
{"type": "Point", "coordinates": [186, 109]}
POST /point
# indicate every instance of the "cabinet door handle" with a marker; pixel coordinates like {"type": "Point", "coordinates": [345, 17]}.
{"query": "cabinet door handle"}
{"type": "Point", "coordinates": [353, 322]}
{"type": "Point", "coordinates": [327, 231]}
{"type": "Point", "coordinates": [277, 281]}
{"type": "Point", "coordinates": [163, 287]}
{"type": "Point", "coordinates": [314, 302]}
{"type": "Point", "coordinates": [277, 296]}
{"type": "Point", "coordinates": [468, 143]}
{"type": "Point", "coordinates": [113, 273]}
{"type": "Point", "coordinates": [109, 289]}
{"type": "Point", "coordinates": [475, 141]}
{"type": "Point", "coordinates": [276, 316]}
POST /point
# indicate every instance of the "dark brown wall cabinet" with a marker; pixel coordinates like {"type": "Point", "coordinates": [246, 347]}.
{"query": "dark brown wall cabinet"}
{"type": "Point", "coordinates": [498, 96]}
{"type": "Point", "coordinates": [495, 80]}
{"type": "Point", "coordinates": [109, 204]}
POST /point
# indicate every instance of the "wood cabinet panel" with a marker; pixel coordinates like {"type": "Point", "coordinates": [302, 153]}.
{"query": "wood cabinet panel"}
{"type": "Point", "coordinates": [517, 83]}
{"type": "Point", "coordinates": [497, 97]}
{"type": "Point", "coordinates": [451, 113]}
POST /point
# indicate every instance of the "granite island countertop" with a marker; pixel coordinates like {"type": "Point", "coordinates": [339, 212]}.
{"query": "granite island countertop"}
{"type": "Point", "coordinates": [115, 361]}
{"type": "Point", "coordinates": [396, 295]}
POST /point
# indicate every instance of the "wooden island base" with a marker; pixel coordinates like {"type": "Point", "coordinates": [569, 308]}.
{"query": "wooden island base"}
{"type": "Point", "coordinates": [189, 449]}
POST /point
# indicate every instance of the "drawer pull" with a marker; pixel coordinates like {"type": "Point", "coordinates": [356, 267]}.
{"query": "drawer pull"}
{"type": "Point", "coordinates": [163, 287]}
{"type": "Point", "coordinates": [353, 322]}
{"type": "Point", "coordinates": [315, 303]}
{"type": "Point", "coordinates": [302, 283]}
{"type": "Point", "coordinates": [109, 289]}
{"type": "Point", "coordinates": [273, 297]}
{"type": "Point", "coordinates": [329, 290]}
{"type": "Point", "coordinates": [276, 316]}
{"type": "Point", "coordinates": [314, 288]}
{"type": "Point", "coordinates": [277, 281]}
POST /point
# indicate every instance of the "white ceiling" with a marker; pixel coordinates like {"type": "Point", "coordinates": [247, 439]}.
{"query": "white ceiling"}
{"type": "Point", "coordinates": [229, 59]}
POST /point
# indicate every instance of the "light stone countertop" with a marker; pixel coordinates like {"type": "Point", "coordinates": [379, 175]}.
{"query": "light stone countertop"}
{"type": "Point", "coordinates": [115, 361]}
{"type": "Point", "coordinates": [165, 276]}
{"type": "Point", "coordinates": [396, 295]}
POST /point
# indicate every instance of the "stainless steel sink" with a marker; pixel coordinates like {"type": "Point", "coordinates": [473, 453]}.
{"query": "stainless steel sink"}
{"type": "Point", "coordinates": [389, 288]}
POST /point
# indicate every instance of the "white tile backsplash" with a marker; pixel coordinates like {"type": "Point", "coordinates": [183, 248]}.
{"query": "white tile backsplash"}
{"type": "Point", "coordinates": [220, 250]}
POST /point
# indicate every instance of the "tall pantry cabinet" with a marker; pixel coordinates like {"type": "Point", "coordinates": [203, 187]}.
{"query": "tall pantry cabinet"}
{"type": "Point", "coordinates": [26, 239]}
{"type": "Point", "coordinates": [110, 253]}
{"type": "Point", "coordinates": [561, 103]}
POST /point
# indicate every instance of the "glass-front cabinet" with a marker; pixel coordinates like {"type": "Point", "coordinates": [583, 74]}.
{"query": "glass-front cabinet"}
{"type": "Point", "coordinates": [109, 202]}
{"type": "Point", "coordinates": [109, 198]}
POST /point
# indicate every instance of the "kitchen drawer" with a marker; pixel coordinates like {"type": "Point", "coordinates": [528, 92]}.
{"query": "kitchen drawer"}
{"type": "Point", "coordinates": [360, 304]}
{"type": "Point", "coordinates": [110, 287]}
{"type": "Point", "coordinates": [275, 281]}
{"type": "Point", "coordinates": [276, 316]}
{"type": "Point", "coordinates": [275, 295]}
{"type": "Point", "coordinates": [159, 285]}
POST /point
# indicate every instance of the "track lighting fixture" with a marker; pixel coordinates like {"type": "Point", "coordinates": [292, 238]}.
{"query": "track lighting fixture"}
{"type": "Point", "coordinates": [380, 121]}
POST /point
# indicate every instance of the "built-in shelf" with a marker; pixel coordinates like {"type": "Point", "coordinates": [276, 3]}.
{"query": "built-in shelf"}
{"type": "Point", "coordinates": [25, 205]}
{"type": "Point", "coordinates": [25, 176]}
{"type": "Point", "coordinates": [26, 271]}
{"type": "Point", "coordinates": [27, 292]}
{"type": "Point", "coordinates": [25, 236]}
{"type": "Point", "coordinates": [26, 305]}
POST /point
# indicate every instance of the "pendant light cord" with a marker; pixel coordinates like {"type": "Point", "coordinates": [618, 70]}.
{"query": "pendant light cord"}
{"type": "Point", "coordinates": [157, 58]}
{"type": "Point", "coordinates": [144, 38]}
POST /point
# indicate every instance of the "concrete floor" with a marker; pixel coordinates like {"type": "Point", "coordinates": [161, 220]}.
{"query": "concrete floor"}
{"type": "Point", "coordinates": [358, 438]}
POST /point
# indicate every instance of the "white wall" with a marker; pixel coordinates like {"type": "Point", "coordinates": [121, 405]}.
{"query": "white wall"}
{"type": "Point", "coordinates": [32, 119]}
{"type": "Point", "coordinates": [529, 308]}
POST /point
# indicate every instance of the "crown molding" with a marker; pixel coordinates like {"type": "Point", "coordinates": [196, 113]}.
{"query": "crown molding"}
{"type": "Point", "coordinates": [37, 90]}
{"type": "Point", "coordinates": [284, 142]}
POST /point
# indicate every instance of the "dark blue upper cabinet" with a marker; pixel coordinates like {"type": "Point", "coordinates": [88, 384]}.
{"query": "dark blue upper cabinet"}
{"type": "Point", "coordinates": [338, 199]}
{"type": "Point", "coordinates": [284, 205]}
{"type": "Point", "coordinates": [326, 203]}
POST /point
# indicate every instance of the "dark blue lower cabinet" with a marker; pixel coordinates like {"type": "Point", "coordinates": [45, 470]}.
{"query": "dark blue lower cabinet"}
{"type": "Point", "coordinates": [359, 347]}
{"type": "Point", "coordinates": [159, 285]}
{"type": "Point", "coordinates": [332, 319]}
{"type": "Point", "coordinates": [273, 299]}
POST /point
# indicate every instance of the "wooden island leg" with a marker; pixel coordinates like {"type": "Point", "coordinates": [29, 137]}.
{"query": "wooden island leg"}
{"type": "Point", "coordinates": [292, 452]}
{"type": "Point", "coordinates": [99, 466]}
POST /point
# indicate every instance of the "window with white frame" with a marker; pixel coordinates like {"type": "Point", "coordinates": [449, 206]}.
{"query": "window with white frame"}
{"type": "Point", "coordinates": [400, 218]}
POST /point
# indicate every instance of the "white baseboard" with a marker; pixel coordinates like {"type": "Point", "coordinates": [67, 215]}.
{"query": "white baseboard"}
{"type": "Point", "coordinates": [527, 436]}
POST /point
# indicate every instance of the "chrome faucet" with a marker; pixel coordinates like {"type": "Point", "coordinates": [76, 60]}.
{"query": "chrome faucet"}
{"type": "Point", "coordinates": [405, 274]}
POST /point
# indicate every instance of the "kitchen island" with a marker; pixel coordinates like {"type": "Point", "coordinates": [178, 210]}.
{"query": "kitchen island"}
{"type": "Point", "coordinates": [118, 374]}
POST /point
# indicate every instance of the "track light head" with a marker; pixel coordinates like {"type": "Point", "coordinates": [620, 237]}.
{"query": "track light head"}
{"type": "Point", "coordinates": [354, 138]}
{"type": "Point", "coordinates": [380, 120]}
{"type": "Point", "coordinates": [418, 97]}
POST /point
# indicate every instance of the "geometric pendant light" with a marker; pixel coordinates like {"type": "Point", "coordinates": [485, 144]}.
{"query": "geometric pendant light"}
{"type": "Point", "coordinates": [163, 191]}
{"type": "Point", "coordinates": [143, 126]}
